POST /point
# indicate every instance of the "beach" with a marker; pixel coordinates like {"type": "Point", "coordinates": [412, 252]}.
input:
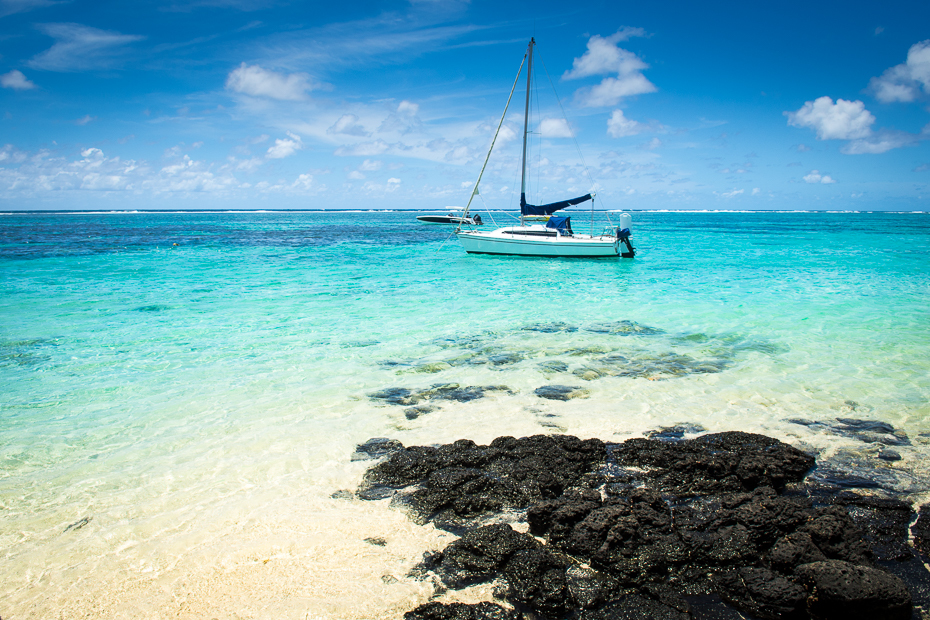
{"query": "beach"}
{"type": "Point", "coordinates": [183, 393]}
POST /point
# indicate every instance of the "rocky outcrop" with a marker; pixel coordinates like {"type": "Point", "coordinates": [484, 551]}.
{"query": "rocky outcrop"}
{"type": "Point", "coordinates": [715, 526]}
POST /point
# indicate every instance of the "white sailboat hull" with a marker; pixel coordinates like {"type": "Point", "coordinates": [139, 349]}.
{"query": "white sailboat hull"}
{"type": "Point", "coordinates": [537, 241]}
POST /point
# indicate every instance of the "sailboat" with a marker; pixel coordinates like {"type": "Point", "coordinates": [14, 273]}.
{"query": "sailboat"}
{"type": "Point", "coordinates": [553, 238]}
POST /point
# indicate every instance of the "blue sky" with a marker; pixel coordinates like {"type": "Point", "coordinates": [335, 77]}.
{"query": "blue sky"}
{"type": "Point", "coordinates": [344, 105]}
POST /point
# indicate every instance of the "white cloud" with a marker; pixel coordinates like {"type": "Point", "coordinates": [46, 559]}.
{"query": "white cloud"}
{"type": "Point", "coordinates": [903, 82]}
{"type": "Point", "coordinates": [843, 120]}
{"type": "Point", "coordinates": [404, 120]}
{"type": "Point", "coordinates": [9, 7]}
{"type": "Point", "coordinates": [348, 124]}
{"type": "Point", "coordinates": [370, 165]}
{"type": "Point", "coordinates": [735, 192]}
{"type": "Point", "coordinates": [652, 144]}
{"type": "Point", "coordinates": [408, 108]}
{"type": "Point", "coordinates": [258, 82]}
{"type": "Point", "coordinates": [248, 165]}
{"type": "Point", "coordinates": [604, 56]}
{"type": "Point", "coordinates": [16, 80]}
{"type": "Point", "coordinates": [87, 118]}
{"type": "Point", "coordinates": [365, 149]}
{"type": "Point", "coordinates": [10, 154]}
{"type": "Point", "coordinates": [881, 142]}
{"type": "Point", "coordinates": [816, 177]}
{"type": "Point", "coordinates": [611, 90]}
{"type": "Point", "coordinates": [620, 126]}
{"type": "Point", "coordinates": [554, 128]}
{"type": "Point", "coordinates": [79, 48]}
{"type": "Point", "coordinates": [756, 191]}
{"type": "Point", "coordinates": [303, 182]}
{"type": "Point", "coordinates": [284, 147]}
{"type": "Point", "coordinates": [356, 175]}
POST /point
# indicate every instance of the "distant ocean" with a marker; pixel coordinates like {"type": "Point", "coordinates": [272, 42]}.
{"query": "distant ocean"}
{"type": "Point", "coordinates": [181, 394]}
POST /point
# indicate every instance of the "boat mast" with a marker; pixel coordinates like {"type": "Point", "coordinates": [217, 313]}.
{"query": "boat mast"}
{"type": "Point", "coordinates": [474, 191]}
{"type": "Point", "coordinates": [526, 120]}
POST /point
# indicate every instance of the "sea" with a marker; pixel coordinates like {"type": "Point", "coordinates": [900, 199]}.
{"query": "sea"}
{"type": "Point", "coordinates": [182, 394]}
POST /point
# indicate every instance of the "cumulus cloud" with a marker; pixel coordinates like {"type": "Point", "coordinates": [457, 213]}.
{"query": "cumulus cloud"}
{"type": "Point", "coordinates": [16, 80]}
{"type": "Point", "coordinates": [356, 175]}
{"type": "Point", "coordinates": [816, 177]}
{"type": "Point", "coordinates": [904, 82]}
{"type": "Point", "coordinates": [284, 147]}
{"type": "Point", "coordinates": [348, 124]}
{"type": "Point", "coordinates": [258, 82]}
{"type": "Point", "coordinates": [80, 48]}
{"type": "Point", "coordinates": [620, 126]}
{"type": "Point", "coordinates": [370, 165]}
{"type": "Point", "coordinates": [603, 56]}
{"type": "Point", "coordinates": [843, 120]}
{"type": "Point", "coordinates": [554, 128]}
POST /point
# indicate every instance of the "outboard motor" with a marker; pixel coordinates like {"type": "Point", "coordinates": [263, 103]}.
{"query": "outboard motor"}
{"type": "Point", "coordinates": [623, 234]}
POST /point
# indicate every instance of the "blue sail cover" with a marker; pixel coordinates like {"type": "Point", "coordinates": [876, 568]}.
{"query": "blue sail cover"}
{"type": "Point", "coordinates": [551, 208]}
{"type": "Point", "coordinates": [562, 224]}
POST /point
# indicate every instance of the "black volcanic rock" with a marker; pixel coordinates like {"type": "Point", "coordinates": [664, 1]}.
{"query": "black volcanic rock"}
{"type": "Point", "coordinates": [671, 529]}
{"type": "Point", "coordinates": [763, 593]}
{"type": "Point", "coordinates": [480, 554]}
{"type": "Point", "coordinates": [884, 522]}
{"type": "Point", "coordinates": [715, 463]}
{"type": "Point", "coordinates": [636, 607]}
{"type": "Point", "coordinates": [468, 480]}
{"type": "Point", "coordinates": [846, 591]}
{"type": "Point", "coordinates": [536, 578]}
{"type": "Point", "coordinates": [793, 550]}
{"type": "Point", "coordinates": [921, 530]}
{"type": "Point", "coordinates": [462, 611]}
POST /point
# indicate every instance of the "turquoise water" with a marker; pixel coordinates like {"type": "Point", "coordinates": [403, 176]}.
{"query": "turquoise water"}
{"type": "Point", "coordinates": [182, 392]}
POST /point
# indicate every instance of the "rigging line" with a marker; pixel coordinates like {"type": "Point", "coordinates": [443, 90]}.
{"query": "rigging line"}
{"type": "Point", "coordinates": [491, 148]}
{"type": "Point", "coordinates": [574, 139]}
{"type": "Point", "coordinates": [565, 116]}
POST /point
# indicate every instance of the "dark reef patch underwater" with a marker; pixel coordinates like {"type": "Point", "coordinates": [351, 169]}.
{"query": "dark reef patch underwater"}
{"type": "Point", "coordinates": [720, 526]}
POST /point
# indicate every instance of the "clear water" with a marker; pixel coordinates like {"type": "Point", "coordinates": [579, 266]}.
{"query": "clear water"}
{"type": "Point", "coordinates": [181, 393]}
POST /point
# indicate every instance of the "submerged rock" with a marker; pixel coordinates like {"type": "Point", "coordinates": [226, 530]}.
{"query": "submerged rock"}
{"type": "Point", "coordinates": [412, 413]}
{"type": "Point", "coordinates": [675, 433]}
{"type": "Point", "coordinates": [438, 391]}
{"type": "Point", "coordinates": [553, 366]}
{"type": "Point", "coordinates": [560, 392]}
{"type": "Point", "coordinates": [624, 328]}
{"type": "Point", "coordinates": [867, 431]}
{"type": "Point", "coordinates": [551, 328]}
{"type": "Point", "coordinates": [376, 448]}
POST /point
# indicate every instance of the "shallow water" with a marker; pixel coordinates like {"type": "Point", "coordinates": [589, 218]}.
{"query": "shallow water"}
{"type": "Point", "coordinates": [182, 393]}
